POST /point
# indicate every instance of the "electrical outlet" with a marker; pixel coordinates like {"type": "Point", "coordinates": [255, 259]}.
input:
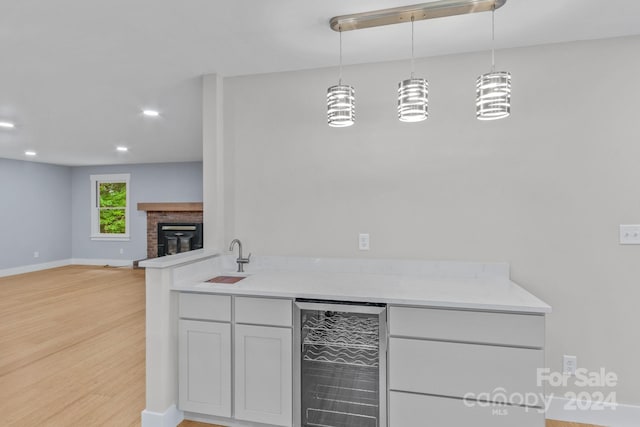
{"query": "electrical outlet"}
{"type": "Point", "coordinates": [121, 251]}
{"type": "Point", "coordinates": [630, 234]}
{"type": "Point", "coordinates": [36, 254]}
{"type": "Point", "coordinates": [363, 241]}
{"type": "Point", "coordinates": [569, 365]}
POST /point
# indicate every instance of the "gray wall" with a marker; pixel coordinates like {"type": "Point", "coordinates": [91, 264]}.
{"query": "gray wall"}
{"type": "Point", "coordinates": [158, 182]}
{"type": "Point", "coordinates": [544, 190]}
{"type": "Point", "coordinates": [35, 212]}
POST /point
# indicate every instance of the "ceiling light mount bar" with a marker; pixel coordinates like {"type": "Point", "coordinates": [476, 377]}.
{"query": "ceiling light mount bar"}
{"type": "Point", "coordinates": [419, 12]}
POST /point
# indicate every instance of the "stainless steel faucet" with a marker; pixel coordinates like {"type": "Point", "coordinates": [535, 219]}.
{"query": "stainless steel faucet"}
{"type": "Point", "coordinates": [241, 261]}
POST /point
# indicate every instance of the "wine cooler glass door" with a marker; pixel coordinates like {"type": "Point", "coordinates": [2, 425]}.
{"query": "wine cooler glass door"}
{"type": "Point", "coordinates": [342, 365]}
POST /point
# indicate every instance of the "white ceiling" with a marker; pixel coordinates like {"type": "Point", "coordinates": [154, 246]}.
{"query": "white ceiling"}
{"type": "Point", "coordinates": [75, 74]}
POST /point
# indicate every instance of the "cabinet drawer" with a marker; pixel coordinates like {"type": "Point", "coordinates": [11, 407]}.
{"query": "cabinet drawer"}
{"type": "Point", "coordinates": [453, 369]}
{"type": "Point", "coordinates": [264, 311]}
{"type": "Point", "coordinates": [526, 330]}
{"type": "Point", "coordinates": [411, 410]}
{"type": "Point", "coordinates": [205, 307]}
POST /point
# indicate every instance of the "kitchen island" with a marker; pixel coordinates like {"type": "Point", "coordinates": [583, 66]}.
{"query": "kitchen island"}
{"type": "Point", "coordinates": [221, 352]}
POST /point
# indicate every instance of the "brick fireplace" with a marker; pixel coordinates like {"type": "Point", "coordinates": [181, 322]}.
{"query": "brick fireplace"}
{"type": "Point", "coordinates": [167, 213]}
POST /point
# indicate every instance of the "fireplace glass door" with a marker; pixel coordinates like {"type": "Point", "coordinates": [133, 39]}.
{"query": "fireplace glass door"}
{"type": "Point", "coordinates": [178, 238]}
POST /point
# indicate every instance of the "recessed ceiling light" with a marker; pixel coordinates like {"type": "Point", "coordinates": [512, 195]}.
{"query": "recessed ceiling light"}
{"type": "Point", "coordinates": [30, 153]}
{"type": "Point", "coordinates": [150, 113]}
{"type": "Point", "coordinates": [121, 148]}
{"type": "Point", "coordinates": [7, 125]}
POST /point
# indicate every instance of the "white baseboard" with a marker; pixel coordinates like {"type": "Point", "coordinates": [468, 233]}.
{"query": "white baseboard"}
{"type": "Point", "coordinates": [109, 262]}
{"type": "Point", "coordinates": [63, 263]}
{"type": "Point", "coordinates": [169, 418]}
{"type": "Point", "coordinates": [611, 415]}
{"type": "Point", "coordinates": [34, 267]}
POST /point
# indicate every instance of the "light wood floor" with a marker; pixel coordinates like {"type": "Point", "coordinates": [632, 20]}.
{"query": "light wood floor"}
{"type": "Point", "coordinates": [72, 343]}
{"type": "Point", "coordinates": [72, 349]}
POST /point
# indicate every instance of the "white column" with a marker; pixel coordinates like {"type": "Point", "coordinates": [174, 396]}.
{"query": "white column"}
{"type": "Point", "coordinates": [161, 351]}
{"type": "Point", "coordinates": [213, 161]}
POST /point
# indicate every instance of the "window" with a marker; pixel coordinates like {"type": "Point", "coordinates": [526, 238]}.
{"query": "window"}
{"type": "Point", "coordinates": [110, 207]}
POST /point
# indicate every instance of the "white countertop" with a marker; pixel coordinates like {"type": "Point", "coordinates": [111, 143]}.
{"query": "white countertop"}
{"type": "Point", "coordinates": [489, 293]}
{"type": "Point", "coordinates": [179, 259]}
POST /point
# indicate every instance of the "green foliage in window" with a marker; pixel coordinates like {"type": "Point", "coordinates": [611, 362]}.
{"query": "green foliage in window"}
{"type": "Point", "coordinates": [112, 221]}
{"type": "Point", "coordinates": [113, 194]}
{"type": "Point", "coordinates": [113, 198]}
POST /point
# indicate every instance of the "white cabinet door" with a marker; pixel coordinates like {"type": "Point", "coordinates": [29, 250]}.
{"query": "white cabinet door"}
{"type": "Point", "coordinates": [263, 374]}
{"type": "Point", "coordinates": [205, 367]}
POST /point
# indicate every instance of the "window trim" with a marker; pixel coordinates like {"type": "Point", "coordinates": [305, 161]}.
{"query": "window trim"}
{"type": "Point", "coordinates": [95, 209]}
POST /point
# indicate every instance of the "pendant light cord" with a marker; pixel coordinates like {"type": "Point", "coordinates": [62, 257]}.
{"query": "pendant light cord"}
{"type": "Point", "coordinates": [340, 75]}
{"type": "Point", "coordinates": [493, 38]}
{"type": "Point", "coordinates": [413, 62]}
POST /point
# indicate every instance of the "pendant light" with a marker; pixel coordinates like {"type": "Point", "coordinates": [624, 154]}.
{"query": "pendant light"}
{"type": "Point", "coordinates": [493, 90]}
{"type": "Point", "coordinates": [413, 93]}
{"type": "Point", "coordinates": [341, 101]}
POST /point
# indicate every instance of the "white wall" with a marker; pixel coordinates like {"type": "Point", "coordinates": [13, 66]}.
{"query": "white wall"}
{"type": "Point", "coordinates": [156, 182]}
{"type": "Point", "coordinates": [46, 209]}
{"type": "Point", "coordinates": [544, 190]}
{"type": "Point", "coordinates": [35, 207]}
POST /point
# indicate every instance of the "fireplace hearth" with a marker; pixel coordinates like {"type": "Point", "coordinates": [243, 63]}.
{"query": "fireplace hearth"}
{"type": "Point", "coordinates": [175, 238]}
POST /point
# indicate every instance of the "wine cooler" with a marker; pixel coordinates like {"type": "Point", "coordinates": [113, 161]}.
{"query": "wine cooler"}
{"type": "Point", "coordinates": [340, 364]}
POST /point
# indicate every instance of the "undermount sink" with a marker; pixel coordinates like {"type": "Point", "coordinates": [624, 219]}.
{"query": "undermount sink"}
{"type": "Point", "coordinates": [230, 280]}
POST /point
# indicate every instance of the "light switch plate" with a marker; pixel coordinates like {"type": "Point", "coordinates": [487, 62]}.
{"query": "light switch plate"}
{"type": "Point", "coordinates": [630, 234]}
{"type": "Point", "coordinates": [363, 241]}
